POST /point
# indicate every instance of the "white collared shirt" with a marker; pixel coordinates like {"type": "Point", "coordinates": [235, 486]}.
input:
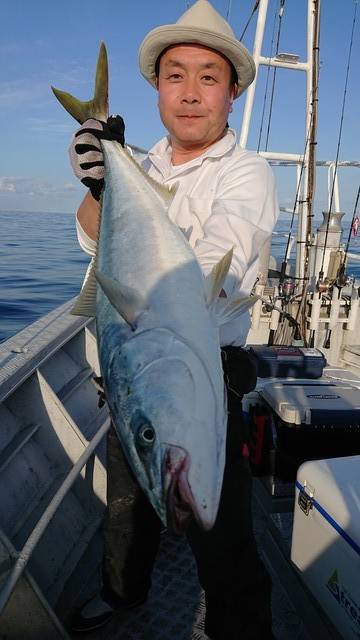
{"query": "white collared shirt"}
{"type": "Point", "coordinates": [225, 198]}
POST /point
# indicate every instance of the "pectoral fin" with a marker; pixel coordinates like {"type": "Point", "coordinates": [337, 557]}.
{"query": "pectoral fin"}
{"type": "Point", "coordinates": [215, 280]}
{"type": "Point", "coordinates": [227, 309]}
{"type": "Point", "coordinates": [127, 302]}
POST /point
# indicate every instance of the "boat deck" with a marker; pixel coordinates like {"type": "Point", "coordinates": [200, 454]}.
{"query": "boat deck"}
{"type": "Point", "coordinates": [51, 427]}
{"type": "Point", "coordinates": [175, 609]}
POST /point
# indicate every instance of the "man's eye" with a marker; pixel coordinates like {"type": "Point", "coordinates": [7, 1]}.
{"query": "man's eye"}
{"type": "Point", "coordinates": [209, 79]}
{"type": "Point", "coordinates": [175, 76]}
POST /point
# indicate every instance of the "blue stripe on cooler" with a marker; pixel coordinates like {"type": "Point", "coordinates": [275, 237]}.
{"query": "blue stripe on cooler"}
{"type": "Point", "coordinates": [331, 521]}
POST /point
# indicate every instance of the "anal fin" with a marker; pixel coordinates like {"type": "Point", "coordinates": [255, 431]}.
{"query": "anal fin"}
{"type": "Point", "coordinates": [85, 304]}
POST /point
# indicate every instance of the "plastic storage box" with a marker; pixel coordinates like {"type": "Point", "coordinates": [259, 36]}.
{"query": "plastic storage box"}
{"type": "Point", "coordinates": [311, 420]}
{"type": "Point", "coordinates": [326, 538]}
{"type": "Point", "coordinates": [288, 361]}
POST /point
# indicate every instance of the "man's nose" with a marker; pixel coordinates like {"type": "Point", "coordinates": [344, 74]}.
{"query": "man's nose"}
{"type": "Point", "coordinates": [190, 94]}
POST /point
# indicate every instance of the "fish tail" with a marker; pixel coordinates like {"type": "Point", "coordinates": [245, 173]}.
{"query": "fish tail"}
{"type": "Point", "coordinates": [98, 107]}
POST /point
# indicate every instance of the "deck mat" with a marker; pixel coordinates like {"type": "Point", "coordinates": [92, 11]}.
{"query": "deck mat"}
{"type": "Point", "coordinates": [175, 608]}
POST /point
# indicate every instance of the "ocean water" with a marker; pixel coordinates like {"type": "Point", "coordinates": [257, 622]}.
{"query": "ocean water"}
{"type": "Point", "coordinates": [42, 265]}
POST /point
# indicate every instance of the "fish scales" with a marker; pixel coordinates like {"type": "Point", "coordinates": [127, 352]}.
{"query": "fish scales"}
{"type": "Point", "coordinates": [142, 249]}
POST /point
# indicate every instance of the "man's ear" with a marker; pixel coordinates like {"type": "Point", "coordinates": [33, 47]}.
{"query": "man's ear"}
{"type": "Point", "coordinates": [233, 93]}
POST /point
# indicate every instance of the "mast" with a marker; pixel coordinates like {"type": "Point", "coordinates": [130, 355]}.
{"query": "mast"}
{"type": "Point", "coordinates": [312, 82]}
{"type": "Point", "coordinates": [311, 68]}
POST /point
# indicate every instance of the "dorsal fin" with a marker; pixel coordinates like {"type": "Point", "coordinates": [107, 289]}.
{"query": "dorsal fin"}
{"type": "Point", "coordinates": [98, 107]}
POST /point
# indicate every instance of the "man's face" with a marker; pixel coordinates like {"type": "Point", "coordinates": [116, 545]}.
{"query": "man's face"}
{"type": "Point", "coordinates": [195, 95]}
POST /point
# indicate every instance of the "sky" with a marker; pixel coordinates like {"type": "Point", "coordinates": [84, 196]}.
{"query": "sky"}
{"type": "Point", "coordinates": [56, 43]}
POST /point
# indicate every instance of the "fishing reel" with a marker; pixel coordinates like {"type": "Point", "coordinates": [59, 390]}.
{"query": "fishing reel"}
{"type": "Point", "coordinates": [323, 285]}
{"type": "Point", "coordinates": [287, 289]}
{"type": "Point", "coordinates": [326, 285]}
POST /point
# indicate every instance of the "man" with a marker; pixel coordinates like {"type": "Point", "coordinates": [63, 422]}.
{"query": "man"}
{"type": "Point", "coordinates": [225, 198]}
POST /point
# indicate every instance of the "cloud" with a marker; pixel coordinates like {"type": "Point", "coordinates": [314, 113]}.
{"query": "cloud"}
{"type": "Point", "coordinates": [34, 89]}
{"type": "Point", "coordinates": [45, 125]}
{"type": "Point", "coordinates": [34, 187]}
{"type": "Point", "coordinates": [7, 184]}
{"type": "Point", "coordinates": [14, 94]}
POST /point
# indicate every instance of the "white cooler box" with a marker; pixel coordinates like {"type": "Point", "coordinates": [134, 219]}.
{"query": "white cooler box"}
{"type": "Point", "coordinates": [326, 538]}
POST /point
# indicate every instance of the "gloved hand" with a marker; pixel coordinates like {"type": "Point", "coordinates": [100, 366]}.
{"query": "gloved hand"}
{"type": "Point", "coordinates": [86, 156]}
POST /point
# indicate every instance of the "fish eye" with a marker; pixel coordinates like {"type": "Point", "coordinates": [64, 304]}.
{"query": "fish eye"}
{"type": "Point", "coordinates": [146, 435]}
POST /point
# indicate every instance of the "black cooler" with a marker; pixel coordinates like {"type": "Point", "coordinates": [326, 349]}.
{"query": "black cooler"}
{"type": "Point", "coordinates": [310, 420]}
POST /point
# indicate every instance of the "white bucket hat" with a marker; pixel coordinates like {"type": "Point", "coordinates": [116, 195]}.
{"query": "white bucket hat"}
{"type": "Point", "coordinates": [200, 24]}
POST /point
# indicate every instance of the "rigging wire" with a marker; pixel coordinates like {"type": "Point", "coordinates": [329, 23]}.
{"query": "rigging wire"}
{"type": "Point", "coordinates": [321, 274]}
{"type": "Point", "coordinates": [228, 13]}
{"type": "Point", "coordinates": [281, 13]}
{"type": "Point", "coordinates": [254, 9]}
{"type": "Point", "coordinates": [267, 83]}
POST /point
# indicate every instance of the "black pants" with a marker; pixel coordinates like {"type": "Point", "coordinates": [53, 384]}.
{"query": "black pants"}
{"type": "Point", "coordinates": [237, 587]}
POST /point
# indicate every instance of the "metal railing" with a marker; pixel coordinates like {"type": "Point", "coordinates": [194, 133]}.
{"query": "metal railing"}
{"type": "Point", "coordinates": [25, 554]}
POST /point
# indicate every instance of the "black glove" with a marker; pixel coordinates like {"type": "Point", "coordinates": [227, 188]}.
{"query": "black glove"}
{"type": "Point", "coordinates": [85, 151]}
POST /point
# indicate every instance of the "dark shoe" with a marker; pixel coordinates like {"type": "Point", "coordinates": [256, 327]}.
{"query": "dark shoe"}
{"type": "Point", "coordinates": [96, 612]}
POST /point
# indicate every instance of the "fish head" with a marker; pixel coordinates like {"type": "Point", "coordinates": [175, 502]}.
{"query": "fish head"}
{"type": "Point", "coordinates": [165, 413]}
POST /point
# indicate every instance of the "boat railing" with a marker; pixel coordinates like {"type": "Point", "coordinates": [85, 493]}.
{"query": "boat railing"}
{"type": "Point", "coordinates": [24, 555]}
{"type": "Point", "coordinates": [37, 398]}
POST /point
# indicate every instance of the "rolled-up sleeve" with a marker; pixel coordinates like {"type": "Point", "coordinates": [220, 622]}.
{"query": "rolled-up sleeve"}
{"type": "Point", "coordinates": [243, 215]}
{"type": "Point", "coordinates": [86, 243]}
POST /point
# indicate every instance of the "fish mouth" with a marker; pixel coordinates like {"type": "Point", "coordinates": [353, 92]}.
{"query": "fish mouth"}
{"type": "Point", "coordinates": [180, 503]}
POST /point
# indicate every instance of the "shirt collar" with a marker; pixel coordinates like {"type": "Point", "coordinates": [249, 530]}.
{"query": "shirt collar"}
{"type": "Point", "coordinates": [160, 154]}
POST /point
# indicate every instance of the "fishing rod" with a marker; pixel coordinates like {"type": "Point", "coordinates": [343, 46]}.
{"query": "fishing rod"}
{"type": "Point", "coordinates": [321, 272]}
{"type": "Point", "coordinates": [296, 202]}
{"type": "Point", "coordinates": [341, 277]}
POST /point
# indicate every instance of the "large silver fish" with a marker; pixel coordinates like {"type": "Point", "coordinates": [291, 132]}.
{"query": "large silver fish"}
{"type": "Point", "coordinates": [157, 322]}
